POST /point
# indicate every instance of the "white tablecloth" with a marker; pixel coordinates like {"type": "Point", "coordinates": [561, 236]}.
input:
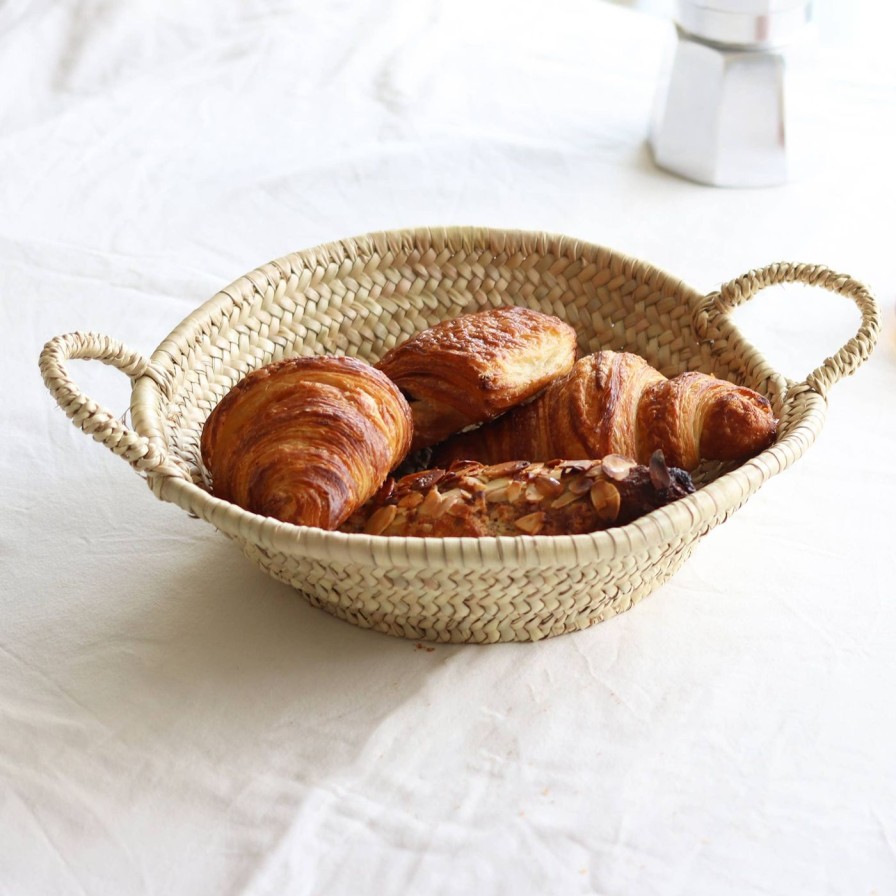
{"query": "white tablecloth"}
{"type": "Point", "coordinates": [173, 721]}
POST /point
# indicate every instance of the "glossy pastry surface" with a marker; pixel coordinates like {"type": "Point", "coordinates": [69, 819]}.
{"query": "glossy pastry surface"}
{"type": "Point", "coordinates": [471, 368]}
{"type": "Point", "coordinates": [306, 440]}
{"type": "Point", "coordinates": [615, 402]}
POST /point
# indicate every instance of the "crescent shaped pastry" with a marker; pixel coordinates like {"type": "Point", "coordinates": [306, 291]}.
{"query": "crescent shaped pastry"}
{"type": "Point", "coordinates": [474, 367]}
{"type": "Point", "coordinates": [616, 403]}
{"type": "Point", "coordinates": [306, 440]}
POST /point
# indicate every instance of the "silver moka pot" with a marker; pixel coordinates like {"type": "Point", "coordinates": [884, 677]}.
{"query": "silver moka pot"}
{"type": "Point", "coordinates": [722, 118]}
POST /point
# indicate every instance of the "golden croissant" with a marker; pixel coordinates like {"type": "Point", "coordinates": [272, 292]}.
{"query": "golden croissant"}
{"type": "Point", "coordinates": [306, 440]}
{"type": "Point", "coordinates": [616, 403]}
{"type": "Point", "coordinates": [519, 498]}
{"type": "Point", "coordinates": [471, 368]}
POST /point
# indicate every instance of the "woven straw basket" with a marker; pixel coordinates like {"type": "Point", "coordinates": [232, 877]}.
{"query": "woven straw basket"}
{"type": "Point", "coordinates": [362, 296]}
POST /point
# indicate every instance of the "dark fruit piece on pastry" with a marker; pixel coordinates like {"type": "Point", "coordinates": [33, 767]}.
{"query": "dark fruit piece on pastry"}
{"type": "Point", "coordinates": [472, 368]}
{"type": "Point", "coordinates": [306, 440]}
{"type": "Point", "coordinates": [616, 403]}
{"type": "Point", "coordinates": [521, 498]}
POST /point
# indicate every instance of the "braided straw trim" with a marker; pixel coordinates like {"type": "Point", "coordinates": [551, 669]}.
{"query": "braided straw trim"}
{"type": "Point", "coordinates": [711, 318]}
{"type": "Point", "coordinates": [86, 414]}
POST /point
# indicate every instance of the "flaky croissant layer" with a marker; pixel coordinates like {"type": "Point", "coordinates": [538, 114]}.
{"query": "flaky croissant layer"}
{"type": "Point", "coordinates": [306, 440]}
{"type": "Point", "coordinates": [616, 403]}
{"type": "Point", "coordinates": [472, 368]}
{"type": "Point", "coordinates": [519, 498]}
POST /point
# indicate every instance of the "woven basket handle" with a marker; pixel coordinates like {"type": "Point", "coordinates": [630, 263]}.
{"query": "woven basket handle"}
{"type": "Point", "coordinates": [91, 418]}
{"type": "Point", "coordinates": [718, 304]}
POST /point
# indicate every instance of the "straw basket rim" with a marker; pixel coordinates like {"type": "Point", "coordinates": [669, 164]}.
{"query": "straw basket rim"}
{"type": "Point", "coordinates": [717, 498]}
{"type": "Point", "coordinates": [146, 448]}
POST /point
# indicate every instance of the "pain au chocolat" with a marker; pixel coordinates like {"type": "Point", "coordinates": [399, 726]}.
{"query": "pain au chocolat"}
{"type": "Point", "coordinates": [471, 368]}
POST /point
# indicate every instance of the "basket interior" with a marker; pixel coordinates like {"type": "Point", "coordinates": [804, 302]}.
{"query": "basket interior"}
{"type": "Point", "coordinates": [361, 297]}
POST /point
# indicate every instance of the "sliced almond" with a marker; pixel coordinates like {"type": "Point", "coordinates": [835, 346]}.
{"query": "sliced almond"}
{"type": "Point", "coordinates": [508, 468]}
{"type": "Point", "coordinates": [573, 466]}
{"type": "Point", "coordinates": [579, 485]}
{"type": "Point", "coordinates": [548, 486]}
{"type": "Point", "coordinates": [458, 508]}
{"type": "Point", "coordinates": [385, 491]}
{"type": "Point", "coordinates": [515, 491]}
{"type": "Point", "coordinates": [564, 499]}
{"type": "Point", "coordinates": [472, 486]}
{"type": "Point", "coordinates": [465, 467]}
{"type": "Point", "coordinates": [606, 500]}
{"type": "Point", "coordinates": [424, 479]}
{"type": "Point", "coordinates": [380, 519]}
{"type": "Point", "coordinates": [494, 484]}
{"type": "Point", "coordinates": [617, 466]}
{"type": "Point", "coordinates": [533, 495]}
{"type": "Point", "coordinates": [411, 500]}
{"type": "Point", "coordinates": [449, 499]}
{"type": "Point", "coordinates": [430, 504]}
{"type": "Point", "coordinates": [496, 495]}
{"type": "Point", "coordinates": [531, 523]}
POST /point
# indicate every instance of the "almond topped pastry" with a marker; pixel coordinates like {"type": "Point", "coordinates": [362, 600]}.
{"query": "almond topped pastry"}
{"type": "Point", "coordinates": [521, 498]}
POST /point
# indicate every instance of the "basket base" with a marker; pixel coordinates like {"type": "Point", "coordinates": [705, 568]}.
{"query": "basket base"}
{"type": "Point", "coordinates": [430, 604]}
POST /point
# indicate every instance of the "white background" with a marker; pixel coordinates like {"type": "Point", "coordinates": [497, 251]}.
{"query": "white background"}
{"type": "Point", "coordinates": [172, 721]}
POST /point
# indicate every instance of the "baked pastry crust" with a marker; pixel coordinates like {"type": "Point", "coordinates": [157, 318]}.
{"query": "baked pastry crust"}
{"type": "Point", "coordinates": [616, 403]}
{"type": "Point", "coordinates": [519, 498]}
{"type": "Point", "coordinates": [306, 440]}
{"type": "Point", "coordinates": [471, 368]}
